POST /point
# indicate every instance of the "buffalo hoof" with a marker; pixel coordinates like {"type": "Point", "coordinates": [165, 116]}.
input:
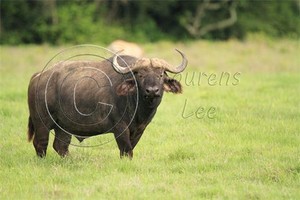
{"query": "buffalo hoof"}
{"type": "Point", "coordinates": [63, 154]}
{"type": "Point", "coordinates": [41, 154]}
{"type": "Point", "coordinates": [128, 154]}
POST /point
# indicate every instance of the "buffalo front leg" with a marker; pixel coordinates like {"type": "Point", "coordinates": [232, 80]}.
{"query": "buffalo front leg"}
{"type": "Point", "coordinates": [61, 142]}
{"type": "Point", "coordinates": [123, 141]}
{"type": "Point", "coordinates": [135, 139]}
{"type": "Point", "coordinates": [136, 135]}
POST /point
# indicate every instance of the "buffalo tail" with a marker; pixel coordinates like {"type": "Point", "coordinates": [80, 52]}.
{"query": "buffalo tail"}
{"type": "Point", "coordinates": [30, 132]}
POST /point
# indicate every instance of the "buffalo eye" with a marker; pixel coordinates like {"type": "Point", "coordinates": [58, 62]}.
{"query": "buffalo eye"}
{"type": "Point", "coordinates": [161, 75]}
{"type": "Point", "coordinates": [138, 74]}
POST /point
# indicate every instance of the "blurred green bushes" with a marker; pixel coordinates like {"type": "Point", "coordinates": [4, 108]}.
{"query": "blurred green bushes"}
{"type": "Point", "coordinates": [101, 21]}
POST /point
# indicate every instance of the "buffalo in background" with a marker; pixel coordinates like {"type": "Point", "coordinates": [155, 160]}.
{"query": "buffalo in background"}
{"type": "Point", "coordinates": [126, 48]}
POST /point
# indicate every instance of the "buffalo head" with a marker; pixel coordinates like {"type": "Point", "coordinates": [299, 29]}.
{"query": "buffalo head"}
{"type": "Point", "coordinates": [151, 78]}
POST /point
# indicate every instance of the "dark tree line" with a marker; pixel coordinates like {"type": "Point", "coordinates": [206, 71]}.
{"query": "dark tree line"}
{"type": "Point", "coordinates": [55, 21]}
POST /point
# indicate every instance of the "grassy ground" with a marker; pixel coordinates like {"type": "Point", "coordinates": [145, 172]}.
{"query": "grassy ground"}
{"type": "Point", "coordinates": [221, 139]}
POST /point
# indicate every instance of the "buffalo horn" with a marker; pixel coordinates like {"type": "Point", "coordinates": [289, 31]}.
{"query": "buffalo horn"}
{"type": "Point", "coordinates": [156, 62]}
{"type": "Point", "coordinates": [179, 68]}
{"type": "Point", "coordinates": [153, 62]}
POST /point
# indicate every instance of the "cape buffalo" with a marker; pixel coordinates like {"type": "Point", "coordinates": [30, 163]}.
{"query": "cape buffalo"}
{"type": "Point", "coordinates": [119, 95]}
{"type": "Point", "coordinates": [128, 48]}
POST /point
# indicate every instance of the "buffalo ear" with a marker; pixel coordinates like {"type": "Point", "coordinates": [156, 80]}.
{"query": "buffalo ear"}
{"type": "Point", "coordinates": [125, 88]}
{"type": "Point", "coordinates": [172, 85]}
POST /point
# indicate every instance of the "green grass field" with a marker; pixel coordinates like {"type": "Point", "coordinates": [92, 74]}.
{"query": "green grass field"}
{"type": "Point", "coordinates": [221, 139]}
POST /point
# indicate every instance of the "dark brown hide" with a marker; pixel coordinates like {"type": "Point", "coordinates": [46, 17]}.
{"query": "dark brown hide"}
{"type": "Point", "coordinates": [88, 98]}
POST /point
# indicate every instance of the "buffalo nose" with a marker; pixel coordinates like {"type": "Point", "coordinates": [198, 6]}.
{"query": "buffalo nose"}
{"type": "Point", "coordinates": [152, 90]}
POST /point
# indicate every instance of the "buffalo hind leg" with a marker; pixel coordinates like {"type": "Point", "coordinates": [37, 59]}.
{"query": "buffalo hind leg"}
{"type": "Point", "coordinates": [124, 144]}
{"type": "Point", "coordinates": [61, 142]}
{"type": "Point", "coordinates": [40, 140]}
